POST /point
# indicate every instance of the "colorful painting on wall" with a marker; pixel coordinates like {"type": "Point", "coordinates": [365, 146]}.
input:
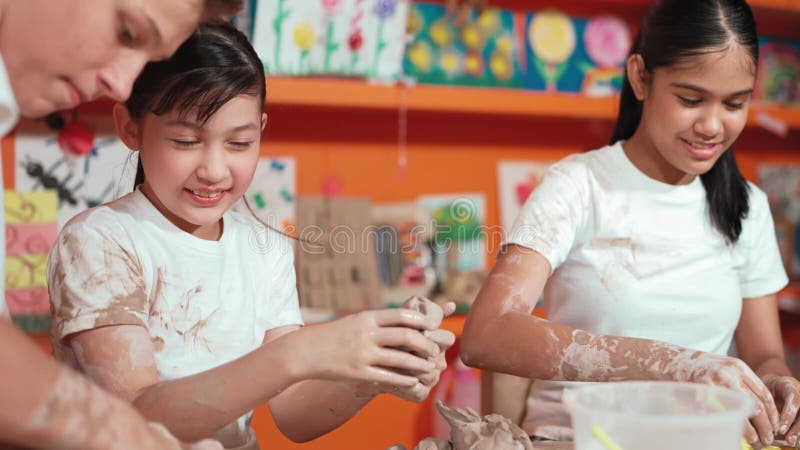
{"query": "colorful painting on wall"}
{"type": "Point", "coordinates": [571, 54]}
{"type": "Point", "coordinates": [84, 168]}
{"type": "Point", "coordinates": [31, 230]}
{"type": "Point", "coordinates": [779, 72]}
{"type": "Point", "coordinates": [781, 183]}
{"type": "Point", "coordinates": [515, 182]}
{"type": "Point", "coordinates": [361, 38]}
{"type": "Point", "coordinates": [271, 195]}
{"type": "Point", "coordinates": [459, 231]}
{"type": "Point", "coordinates": [484, 51]}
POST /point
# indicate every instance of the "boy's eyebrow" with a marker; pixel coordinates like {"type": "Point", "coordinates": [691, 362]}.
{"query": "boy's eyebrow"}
{"type": "Point", "coordinates": [692, 87]}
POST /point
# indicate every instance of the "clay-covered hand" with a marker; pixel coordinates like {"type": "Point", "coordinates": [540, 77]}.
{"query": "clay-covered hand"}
{"type": "Point", "coordinates": [442, 338]}
{"type": "Point", "coordinates": [364, 347]}
{"type": "Point", "coordinates": [732, 373]}
{"type": "Point", "coordinates": [786, 392]}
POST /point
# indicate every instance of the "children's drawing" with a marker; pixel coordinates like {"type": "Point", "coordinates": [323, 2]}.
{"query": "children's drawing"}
{"type": "Point", "coordinates": [781, 183]}
{"type": "Point", "coordinates": [778, 78]}
{"type": "Point", "coordinates": [362, 38]}
{"type": "Point", "coordinates": [515, 182]}
{"type": "Point", "coordinates": [31, 231]}
{"type": "Point", "coordinates": [484, 50]}
{"type": "Point", "coordinates": [607, 42]}
{"type": "Point", "coordinates": [552, 41]}
{"type": "Point", "coordinates": [271, 195]}
{"type": "Point", "coordinates": [459, 234]}
{"type": "Point", "coordinates": [100, 172]}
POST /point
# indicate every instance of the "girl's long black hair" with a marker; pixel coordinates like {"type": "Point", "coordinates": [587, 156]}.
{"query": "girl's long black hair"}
{"type": "Point", "coordinates": [673, 31]}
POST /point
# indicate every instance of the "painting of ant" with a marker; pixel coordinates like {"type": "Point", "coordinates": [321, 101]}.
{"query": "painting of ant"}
{"type": "Point", "coordinates": [81, 160]}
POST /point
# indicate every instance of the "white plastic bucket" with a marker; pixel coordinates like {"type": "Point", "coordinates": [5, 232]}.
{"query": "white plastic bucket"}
{"type": "Point", "coordinates": [657, 415]}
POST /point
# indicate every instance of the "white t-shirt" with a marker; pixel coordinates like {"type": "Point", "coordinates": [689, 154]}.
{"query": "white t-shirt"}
{"type": "Point", "coordinates": [204, 303]}
{"type": "Point", "coordinates": [9, 115]}
{"type": "Point", "coordinates": [635, 257]}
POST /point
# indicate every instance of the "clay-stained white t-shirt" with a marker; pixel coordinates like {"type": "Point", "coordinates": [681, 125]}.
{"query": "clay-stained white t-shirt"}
{"type": "Point", "coordinates": [635, 257]}
{"type": "Point", "coordinates": [204, 303]}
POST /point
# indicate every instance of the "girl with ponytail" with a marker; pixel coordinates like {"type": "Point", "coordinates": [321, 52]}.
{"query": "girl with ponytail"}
{"type": "Point", "coordinates": [652, 254]}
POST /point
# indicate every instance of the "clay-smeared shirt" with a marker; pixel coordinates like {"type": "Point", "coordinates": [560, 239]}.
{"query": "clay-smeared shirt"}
{"type": "Point", "coordinates": [204, 303]}
{"type": "Point", "coordinates": [635, 257]}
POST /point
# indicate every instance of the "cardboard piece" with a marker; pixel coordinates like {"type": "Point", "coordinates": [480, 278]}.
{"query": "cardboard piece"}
{"type": "Point", "coordinates": [336, 261]}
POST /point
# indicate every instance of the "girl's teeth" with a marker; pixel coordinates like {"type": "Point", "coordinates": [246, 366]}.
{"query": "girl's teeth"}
{"type": "Point", "coordinates": [206, 194]}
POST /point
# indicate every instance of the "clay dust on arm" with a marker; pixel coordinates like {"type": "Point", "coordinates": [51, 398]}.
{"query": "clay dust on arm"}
{"type": "Point", "coordinates": [501, 335]}
{"type": "Point", "coordinates": [121, 359]}
{"type": "Point", "coordinates": [55, 407]}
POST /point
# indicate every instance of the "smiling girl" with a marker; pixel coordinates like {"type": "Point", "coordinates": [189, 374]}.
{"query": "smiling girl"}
{"type": "Point", "coordinates": [189, 310]}
{"type": "Point", "coordinates": [654, 253]}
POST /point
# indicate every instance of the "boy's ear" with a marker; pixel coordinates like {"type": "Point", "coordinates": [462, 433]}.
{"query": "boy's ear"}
{"type": "Point", "coordinates": [638, 76]}
{"type": "Point", "coordinates": [127, 128]}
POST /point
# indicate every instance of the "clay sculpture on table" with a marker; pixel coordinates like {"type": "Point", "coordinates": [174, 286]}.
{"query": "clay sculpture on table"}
{"type": "Point", "coordinates": [469, 431]}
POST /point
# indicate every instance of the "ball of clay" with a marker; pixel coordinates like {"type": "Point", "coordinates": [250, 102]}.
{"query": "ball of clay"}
{"type": "Point", "coordinates": [430, 309]}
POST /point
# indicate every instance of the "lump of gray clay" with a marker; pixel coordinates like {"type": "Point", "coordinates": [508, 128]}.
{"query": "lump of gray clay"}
{"type": "Point", "coordinates": [469, 431]}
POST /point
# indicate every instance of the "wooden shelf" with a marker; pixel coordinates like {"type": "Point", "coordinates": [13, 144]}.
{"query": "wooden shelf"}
{"type": "Point", "coordinates": [359, 94]}
{"type": "Point", "coordinates": [336, 93]}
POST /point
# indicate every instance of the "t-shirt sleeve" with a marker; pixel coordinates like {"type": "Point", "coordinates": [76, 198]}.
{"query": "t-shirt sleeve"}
{"type": "Point", "coordinates": [94, 279]}
{"type": "Point", "coordinates": [554, 213]}
{"type": "Point", "coordinates": [282, 306]}
{"type": "Point", "coordinates": [761, 270]}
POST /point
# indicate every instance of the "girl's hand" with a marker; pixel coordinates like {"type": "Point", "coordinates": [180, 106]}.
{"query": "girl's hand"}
{"type": "Point", "coordinates": [443, 339]}
{"type": "Point", "coordinates": [365, 347]}
{"type": "Point", "coordinates": [786, 391]}
{"type": "Point", "coordinates": [732, 373]}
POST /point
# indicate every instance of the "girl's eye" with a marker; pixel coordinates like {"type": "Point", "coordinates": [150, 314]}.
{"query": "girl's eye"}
{"type": "Point", "coordinates": [689, 101]}
{"type": "Point", "coordinates": [183, 143]}
{"type": "Point", "coordinates": [241, 144]}
{"type": "Point", "coordinates": [734, 105]}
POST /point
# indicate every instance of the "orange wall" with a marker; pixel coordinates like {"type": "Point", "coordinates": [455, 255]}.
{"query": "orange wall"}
{"type": "Point", "coordinates": [446, 153]}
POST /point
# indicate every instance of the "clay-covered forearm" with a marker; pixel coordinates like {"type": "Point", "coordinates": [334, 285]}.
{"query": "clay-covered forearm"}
{"type": "Point", "coordinates": [502, 335]}
{"type": "Point", "coordinates": [520, 344]}
{"type": "Point", "coordinates": [197, 406]}
{"type": "Point", "coordinates": [47, 405]}
{"type": "Point", "coordinates": [312, 408]}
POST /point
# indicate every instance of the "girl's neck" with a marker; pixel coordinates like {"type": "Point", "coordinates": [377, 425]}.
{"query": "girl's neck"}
{"type": "Point", "coordinates": [206, 232]}
{"type": "Point", "coordinates": [644, 155]}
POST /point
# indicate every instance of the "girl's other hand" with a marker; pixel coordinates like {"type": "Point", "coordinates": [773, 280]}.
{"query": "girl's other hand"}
{"type": "Point", "coordinates": [732, 373]}
{"type": "Point", "coordinates": [786, 392]}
